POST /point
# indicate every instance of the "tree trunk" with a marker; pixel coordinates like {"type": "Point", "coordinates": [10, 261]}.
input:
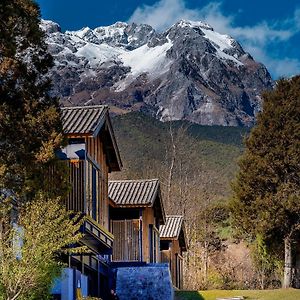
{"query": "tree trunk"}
{"type": "Point", "coordinates": [205, 269]}
{"type": "Point", "coordinates": [287, 279]}
{"type": "Point", "coordinates": [173, 157]}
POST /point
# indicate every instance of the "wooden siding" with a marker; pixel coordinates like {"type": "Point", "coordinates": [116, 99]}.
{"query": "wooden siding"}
{"type": "Point", "coordinates": [135, 239]}
{"type": "Point", "coordinates": [148, 251]}
{"type": "Point", "coordinates": [165, 257]}
{"type": "Point", "coordinates": [95, 150]}
{"type": "Point", "coordinates": [127, 241]}
{"type": "Point", "coordinates": [179, 271]}
{"type": "Point", "coordinates": [154, 244]}
{"type": "Point", "coordinates": [89, 182]}
{"type": "Point", "coordinates": [76, 197]}
{"type": "Point", "coordinates": [173, 256]}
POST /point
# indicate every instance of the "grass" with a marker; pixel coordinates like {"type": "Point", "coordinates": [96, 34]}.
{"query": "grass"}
{"type": "Point", "coordinates": [280, 294]}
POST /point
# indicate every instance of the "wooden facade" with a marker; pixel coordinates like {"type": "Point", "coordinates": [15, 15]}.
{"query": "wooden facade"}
{"type": "Point", "coordinates": [136, 212]}
{"type": "Point", "coordinates": [91, 153]}
{"type": "Point", "coordinates": [127, 246]}
{"type": "Point", "coordinates": [89, 179]}
{"type": "Point", "coordinates": [172, 245]}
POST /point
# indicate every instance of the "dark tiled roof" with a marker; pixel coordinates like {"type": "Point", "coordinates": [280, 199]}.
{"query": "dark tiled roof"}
{"type": "Point", "coordinates": [133, 192]}
{"type": "Point", "coordinates": [172, 227]}
{"type": "Point", "coordinates": [83, 119]}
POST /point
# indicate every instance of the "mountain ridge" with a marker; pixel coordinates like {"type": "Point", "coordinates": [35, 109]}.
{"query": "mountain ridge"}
{"type": "Point", "coordinates": [188, 72]}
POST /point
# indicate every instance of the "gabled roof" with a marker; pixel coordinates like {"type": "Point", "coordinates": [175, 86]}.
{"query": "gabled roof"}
{"type": "Point", "coordinates": [174, 229]}
{"type": "Point", "coordinates": [136, 193]}
{"type": "Point", "coordinates": [133, 192]}
{"type": "Point", "coordinates": [83, 119]}
{"type": "Point", "coordinates": [88, 121]}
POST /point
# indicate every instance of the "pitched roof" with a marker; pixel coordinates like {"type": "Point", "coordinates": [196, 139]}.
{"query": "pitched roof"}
{"type": "Point", "coordinates": [172, 227]}
{"type": "Point", "coordinates": [141, 192]}
{"type": "Point", "coordinates": [137, 193]}
{"type": "Point", "coordinates": [90, 120]}
{"type": "Point", "coordinates": [83, 119]}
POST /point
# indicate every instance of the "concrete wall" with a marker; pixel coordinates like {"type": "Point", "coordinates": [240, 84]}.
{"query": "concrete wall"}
{"type": "Point", "coordinates": [65, 285]}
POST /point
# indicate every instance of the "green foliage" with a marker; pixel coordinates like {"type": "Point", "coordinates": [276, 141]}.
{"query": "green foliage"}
{"type": "Point", "coordinates": [268, 266]}
{"type": "Point", "coordinates": [211, 219]}
{"type": "Point", "coordinates": [30, 125]}
{"type": "Point", "coordinates": [215, 280]}
{"type": "Point", "coordinates": [31, 248]}
{"type": "Point", "coordinates": [266, 189]}
{"type": "Point", "coordinates": [30, 133]}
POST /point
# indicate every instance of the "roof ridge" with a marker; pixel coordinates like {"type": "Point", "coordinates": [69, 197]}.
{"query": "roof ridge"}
{"type": "Point", "coordinates": [134, 180]}
{"type": "Point", "coordinates": [168, 216]}
{"type": "Point", "coordinates": [84, 106]}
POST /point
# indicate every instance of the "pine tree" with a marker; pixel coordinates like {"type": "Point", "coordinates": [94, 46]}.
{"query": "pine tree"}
{"type": "Point", "coordinates": [267, 188]}
{"type": "Point", "coordinates": [30, 124]}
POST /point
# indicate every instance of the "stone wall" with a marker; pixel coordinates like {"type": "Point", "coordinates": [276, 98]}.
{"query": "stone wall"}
{"type": "Point", "coordinates": [149, 282]}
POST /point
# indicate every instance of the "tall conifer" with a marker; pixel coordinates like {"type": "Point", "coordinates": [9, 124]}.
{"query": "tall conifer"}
{"type": "Point", "coordinates": [267, 188]}
{"type": "Point", "coordinates": [30, 125]}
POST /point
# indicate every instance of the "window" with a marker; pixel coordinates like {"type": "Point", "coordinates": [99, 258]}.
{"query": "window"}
{"type": "Point", "coordinates": [94, 191]}
{"type": "Point", "coordinates": [154, 243]}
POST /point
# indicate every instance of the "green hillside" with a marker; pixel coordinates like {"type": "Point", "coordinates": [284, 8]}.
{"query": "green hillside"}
{"type": "Point", "coordinates": [205, 156]}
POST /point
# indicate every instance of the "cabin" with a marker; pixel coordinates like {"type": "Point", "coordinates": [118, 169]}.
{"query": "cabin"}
{"type": "Point", "coordinates": [136, 212]}
{"type": "Point", "coordinates": [91, 154]}
{"type": "Point", "coordinates": [172, 244]}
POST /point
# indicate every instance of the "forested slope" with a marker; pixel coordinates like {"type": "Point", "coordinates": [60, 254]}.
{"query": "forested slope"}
{"type": "Point", "coordinates": [203, 156]}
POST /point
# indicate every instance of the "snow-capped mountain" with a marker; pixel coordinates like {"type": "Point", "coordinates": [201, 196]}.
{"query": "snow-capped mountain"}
{"type": "Point", "coordinates": [187, 72]}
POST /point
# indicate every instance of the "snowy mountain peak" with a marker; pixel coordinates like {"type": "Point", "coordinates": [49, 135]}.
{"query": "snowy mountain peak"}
{"type": "Point", "coordinates": [120, 34]}
{"type": "Point", "coordinates": [49, 26]}
{"type": "Point", "coordinates": [111, 31]}
{"type": "Point", "coordinates": [193, 24]}
{"type": "Point", "coordinates": [187, 72]}
{"type": "Point", "coordinates": [81, 33]}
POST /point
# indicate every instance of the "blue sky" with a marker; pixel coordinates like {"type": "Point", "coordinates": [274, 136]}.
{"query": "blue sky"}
{"type": "Point", "coordinates": [268, 30]}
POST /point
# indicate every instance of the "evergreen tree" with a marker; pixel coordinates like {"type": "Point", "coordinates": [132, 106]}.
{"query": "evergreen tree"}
{"type": "Point", "coordinates": [30, 125]}
{"type": "Point", "coordinates": [30, 133]}
{"type": "Point", "coordinates": [266, 191]}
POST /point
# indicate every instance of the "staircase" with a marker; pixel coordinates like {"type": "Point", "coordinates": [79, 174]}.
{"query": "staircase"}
{"type": "Point", "coordinates": [148, 282]}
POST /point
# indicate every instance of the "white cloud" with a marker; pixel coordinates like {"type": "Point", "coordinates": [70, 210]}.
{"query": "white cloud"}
{"type": "Point", "coordinates": [163, 14]}
{"type": "Point", "coordinates": [255, 39]}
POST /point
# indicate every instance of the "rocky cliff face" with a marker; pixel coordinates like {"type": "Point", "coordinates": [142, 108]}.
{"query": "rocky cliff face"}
{"type": "Point", "coordinates": [187, 72]}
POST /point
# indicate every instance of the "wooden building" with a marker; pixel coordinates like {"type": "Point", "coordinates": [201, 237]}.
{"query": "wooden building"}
{"type": "Point", "coordinates": [136, 212]}
{"type": "Point", "coordinates": [91, 154]}
{"type": "Point", "coordinates": [173, 244]}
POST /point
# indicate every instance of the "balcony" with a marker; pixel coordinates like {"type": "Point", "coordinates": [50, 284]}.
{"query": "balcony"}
{"type": "Point", "coordinates": [87, 195]}
{"type": "Point", "coordinates": [97, 237]}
